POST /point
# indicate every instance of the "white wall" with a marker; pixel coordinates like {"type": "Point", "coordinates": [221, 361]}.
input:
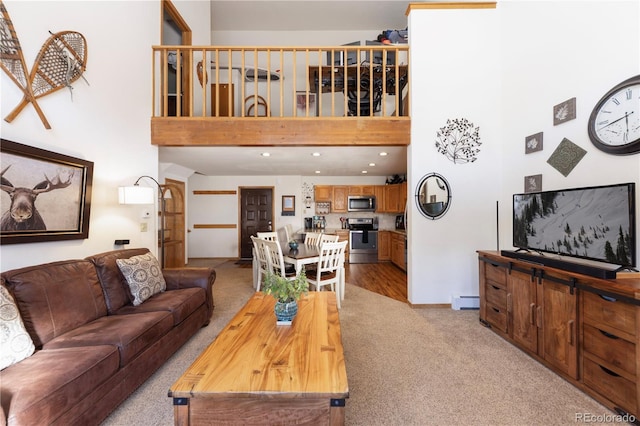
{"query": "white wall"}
{"type": "Point", "coordinates": [108, 120]}
{"type": "Point", "coordinates": [455, 53]}
{"type": "Point", "coordinates": [505, 69]}
{"type": "Point", "coordinates": [575, 56]}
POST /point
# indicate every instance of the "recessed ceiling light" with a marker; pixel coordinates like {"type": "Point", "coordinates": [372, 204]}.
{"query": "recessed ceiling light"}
{"type": "Point", "coordinates": [316, 154]}
{"type": "Point", "coordinates": [317, 171]}
{"type": "Point", "coordinates": [372, 164]}
{"type": "Point", "coordinates": [382, 154]}
{"type": "Point", "coordinates": [265, 154]}
{"type": "Point", "coordinates": [364, 171]}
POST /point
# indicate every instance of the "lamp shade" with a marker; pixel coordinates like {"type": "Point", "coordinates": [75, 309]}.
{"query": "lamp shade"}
{"type": "Point", "coordinates": [135, 195]}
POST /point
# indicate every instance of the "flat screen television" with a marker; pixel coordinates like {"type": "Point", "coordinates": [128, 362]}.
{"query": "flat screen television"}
{"type": "Point", "coordinates": [338, 55]}
{"type": "Point", "coordinates": [595, 223]}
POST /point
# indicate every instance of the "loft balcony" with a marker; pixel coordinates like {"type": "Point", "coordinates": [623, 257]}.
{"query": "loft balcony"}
{"type": "Point", "coordinates": [266, 96]}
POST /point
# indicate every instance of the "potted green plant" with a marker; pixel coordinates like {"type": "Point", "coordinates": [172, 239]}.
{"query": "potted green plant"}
{"type": "Point", "coordinates": [286, 292]}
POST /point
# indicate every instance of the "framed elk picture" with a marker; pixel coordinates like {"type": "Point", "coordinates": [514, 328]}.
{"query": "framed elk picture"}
{"type": "Point", "coordinates": [45, 196]}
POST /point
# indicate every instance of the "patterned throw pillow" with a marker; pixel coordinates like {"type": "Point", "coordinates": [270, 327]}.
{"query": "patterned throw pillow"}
{"type": "Point", "coordinates": [15, 342]}
{"type": "Point", "coordinates": [144, 276]}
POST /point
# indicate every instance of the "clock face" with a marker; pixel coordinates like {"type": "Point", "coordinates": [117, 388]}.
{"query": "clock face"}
{"type": "Point", "coordinates": [614, 125]}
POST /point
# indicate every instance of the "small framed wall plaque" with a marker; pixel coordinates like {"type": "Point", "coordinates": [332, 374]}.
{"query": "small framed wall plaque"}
{"type": "Point", "coordinates": [533, 183]}
{"type": "Point", "coordinates": [564, 111]}
{"type": "Point", "coordinates": [533, 143]}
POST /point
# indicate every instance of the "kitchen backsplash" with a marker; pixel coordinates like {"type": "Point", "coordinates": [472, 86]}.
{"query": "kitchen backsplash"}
{"type": "Point", "coordinates": [385, 220]}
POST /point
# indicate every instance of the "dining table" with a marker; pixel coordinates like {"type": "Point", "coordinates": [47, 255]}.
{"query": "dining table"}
{"type": "Point", "coordinates": [309, 254]}
{"type": "Point", "coordinates": [304, 254]}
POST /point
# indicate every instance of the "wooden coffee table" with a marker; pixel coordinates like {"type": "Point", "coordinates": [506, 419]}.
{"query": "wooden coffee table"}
{"type": "Point", "coordinates": [257, 373]}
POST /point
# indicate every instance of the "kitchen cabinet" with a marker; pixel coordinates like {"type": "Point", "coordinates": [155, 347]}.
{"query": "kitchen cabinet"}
{"type": "Point", "coordinates": [343, 235]}
{"type": "Point", "coordinates": [384, 245]}
{"type": "Point", "coordinates": [323, 193]}
{"type": "Point", "coordinates": [339, 200]}
{"type": "Point", "coordinates": [398, 243]}
{"type": "Point", "coordinates": [581, 327]}
{"type": "Point", "coordinates": [378, 191]}
{"type": "Point", "coordinates": [362, 190]}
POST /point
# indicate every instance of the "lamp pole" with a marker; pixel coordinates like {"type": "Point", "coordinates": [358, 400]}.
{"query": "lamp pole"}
{"type": "Point", "coordinates": [162, 214]}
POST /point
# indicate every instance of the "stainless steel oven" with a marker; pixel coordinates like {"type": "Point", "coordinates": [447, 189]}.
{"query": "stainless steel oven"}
{"type": "Point", "coordinates": [363, 240]}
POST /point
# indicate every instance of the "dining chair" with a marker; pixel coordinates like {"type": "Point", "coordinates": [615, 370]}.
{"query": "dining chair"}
{"type": "Point", "coordinates": [288, 230]}
{"type": "Point", "coordinates": [275, 259]}
{"type": "Point", "coordinates": [327, 238]}
{"type": "Point", "coordinates": [269, 236]}
{"type": "Point", "coordinates": [330, 269]}
{"type": "Point", "coordinates": [261, 263]}
{"type": "Point", "coordinates": [312, 238]}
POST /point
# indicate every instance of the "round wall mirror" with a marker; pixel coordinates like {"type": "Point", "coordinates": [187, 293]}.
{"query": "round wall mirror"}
{"type": "Point", "coordinates": [433, 196]}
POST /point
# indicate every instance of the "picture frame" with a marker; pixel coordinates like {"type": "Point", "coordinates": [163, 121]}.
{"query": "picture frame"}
{"type": "Point", "coordinates": [302, 107]}
{"type": "Point", "coordinates": [533, 143]}
{"type": "Point", "coordinates": [50, 195]}
{"type": "Point", "coordinates": [564, 111]}
{"type": "Point", "coordinates": [533, 183]}
{"type": "Point", "coordinates": [288, 205]}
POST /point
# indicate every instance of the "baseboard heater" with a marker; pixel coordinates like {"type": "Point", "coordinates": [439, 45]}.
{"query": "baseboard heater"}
{"type": "Point", "coordinates": [465, 302]}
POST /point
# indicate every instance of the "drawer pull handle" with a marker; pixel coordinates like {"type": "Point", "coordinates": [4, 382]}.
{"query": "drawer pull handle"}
{"type": "Point", "coordinates": [609, 335]}
{"type": "Point", "coordinates": [609, 372]}
{"type": "Point", "coordinates": [494, 287]}
{"type": "Point", "coordinates": [496, 310]}
{"type": "Point", "coordinates": [608, 298]}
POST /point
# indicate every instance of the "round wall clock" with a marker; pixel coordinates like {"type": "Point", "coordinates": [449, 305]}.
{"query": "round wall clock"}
{"type": "Point", "coordinates": [614, 124]}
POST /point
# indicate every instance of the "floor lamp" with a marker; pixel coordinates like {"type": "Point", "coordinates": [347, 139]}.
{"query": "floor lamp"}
{"type": "Point", "coordinates": [137, 194]}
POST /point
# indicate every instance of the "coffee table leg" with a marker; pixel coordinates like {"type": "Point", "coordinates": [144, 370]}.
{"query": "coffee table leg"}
{"type": "Point", "coordinates": [337, 412]}
{"type": "Point", "coordinates": [181, 411]}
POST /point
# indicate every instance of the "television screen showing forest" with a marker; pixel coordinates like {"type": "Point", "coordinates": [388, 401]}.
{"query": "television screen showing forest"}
{"type": "Point", "coordinates": [594, 223]}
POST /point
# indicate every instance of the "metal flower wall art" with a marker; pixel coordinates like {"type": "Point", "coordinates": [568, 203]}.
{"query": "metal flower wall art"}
{"type": "Point", "coordinates": [459, 141]}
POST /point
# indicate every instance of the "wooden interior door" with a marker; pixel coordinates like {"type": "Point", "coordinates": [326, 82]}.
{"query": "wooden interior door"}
{"type": "Point", "coordinates": [174, 220]}
{"type": "Point", "coordinates": [256, 215]}
{"type": "Point", "coordinates": [226, 94]}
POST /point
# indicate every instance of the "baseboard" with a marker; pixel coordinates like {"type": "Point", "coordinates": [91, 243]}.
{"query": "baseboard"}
{"type": "Point", "coordinates": [430, 305]}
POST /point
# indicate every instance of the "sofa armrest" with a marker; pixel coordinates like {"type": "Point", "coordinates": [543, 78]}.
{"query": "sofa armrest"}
{"type": "Point", "coordinates": [177, 278]}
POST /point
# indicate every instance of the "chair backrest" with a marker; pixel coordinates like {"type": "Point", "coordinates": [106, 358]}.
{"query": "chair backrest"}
{"type": "Point", "coordinates": [326, 238]}
{"type": "Point", "coordinates": [260, 254]}
{"type": "Point", "coordinates": [331, 256]}
{"type": "Point", "coordinates": [288, 230]}
{"type": "Point", "coordinates": [269, 236]}
{"type": "Point", "coordinates": [312, 238]}
{"type": "Point", "coordinates": [275, 260]}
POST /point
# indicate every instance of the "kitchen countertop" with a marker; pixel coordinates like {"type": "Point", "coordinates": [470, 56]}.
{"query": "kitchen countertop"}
{"type": "Point", "coordinates": [332, 231]}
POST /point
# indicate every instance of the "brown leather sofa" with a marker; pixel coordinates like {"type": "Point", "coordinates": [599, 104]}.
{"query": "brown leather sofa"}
{"type": "Point", "coordinates": [93, 347]}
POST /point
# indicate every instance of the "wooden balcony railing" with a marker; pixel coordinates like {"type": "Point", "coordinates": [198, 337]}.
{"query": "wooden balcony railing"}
{"type": "Point", "coordinates": [196, 81]}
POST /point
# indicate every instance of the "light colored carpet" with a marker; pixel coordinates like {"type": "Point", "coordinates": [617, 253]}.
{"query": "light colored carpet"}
{"type": "Point", "coordinates": [405, 367]}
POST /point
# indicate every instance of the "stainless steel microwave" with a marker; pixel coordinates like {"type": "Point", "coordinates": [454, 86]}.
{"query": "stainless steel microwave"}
{"type": "Point", "coordinates": [361, 203]}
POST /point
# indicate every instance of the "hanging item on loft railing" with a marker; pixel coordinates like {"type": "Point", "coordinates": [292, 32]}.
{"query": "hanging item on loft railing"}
{"type": "Point", "coordinates": [60, 62]}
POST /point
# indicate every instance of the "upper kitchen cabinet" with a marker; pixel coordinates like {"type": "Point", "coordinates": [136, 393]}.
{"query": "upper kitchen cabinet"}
{"type": "Point", "coordinates": [323, 193]}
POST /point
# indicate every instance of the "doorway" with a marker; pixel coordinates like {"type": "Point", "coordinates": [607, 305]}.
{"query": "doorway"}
{"type": "Point", "coordinates": [256, 215]}
{"type": "Point", "coordinates": [175, 31]}
{"type": "Point", "coordinates": [173, 246]}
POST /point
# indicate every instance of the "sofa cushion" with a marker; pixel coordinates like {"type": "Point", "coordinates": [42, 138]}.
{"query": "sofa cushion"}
{"type": "Point", "coordinates": [116, 289]}
{"type": "Point", "coordinates": [181, 303]}
{"type": "Point", "coordinates": [144, 276]}
{"type": "Point", "coordinates": [56, 297]}
{"type": "Point", "coordinates": [132, 334]}
{"type": "Point", "coordinates": [15, 342]}
{"type": "Point", "coordinates": [44, 386]}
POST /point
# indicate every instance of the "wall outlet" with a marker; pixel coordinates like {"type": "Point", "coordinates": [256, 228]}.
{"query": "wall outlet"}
{"type": "Point", "coordinates": [143, 227]}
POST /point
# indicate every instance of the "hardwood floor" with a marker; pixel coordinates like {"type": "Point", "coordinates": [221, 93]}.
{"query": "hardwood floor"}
{"type": "Point", "coordinates": [383, 278]}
